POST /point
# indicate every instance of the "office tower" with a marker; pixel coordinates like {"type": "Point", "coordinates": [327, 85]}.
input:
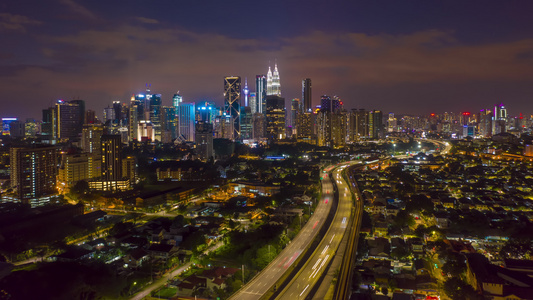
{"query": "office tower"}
{"type": "Point", "coordinates": [109, 115]}
{"type": "Point", "coordinates": [169, 124]}
{"type": "Point", "coordinates": [375, 126]}
{"type": "Point", "coordinates": [33, 173]}
{"type": "Point", "coordinates": [358, 124]}
{"type": "Point", "coordinates": [275, 117]}
{"type": "Point", "coordinates": [206, 111]}
{"type": "Point", "coordinates": [260, 93]}
{"type": "Point", "coordinates": [306, 95]}
{"type": "Point", "coordinates": [90, 138]}
{"type": "Point", "coordinates": [111, 150]}
{"type": "Point", "coordinates": [295, 111]}
{"type": "Point", "coordinates": [306, 127]}
{"type": "Point", "coordinates": [246, 92]}
{"type": "Point", "coordinates": [31, 128]}
{"type": "Point", "coordinates": [330, 104]}
{"type": "Point", "coordinates": [259, 126]}
{"type": "Point", "coordinates": [253, 103]}
{"type": "Point", "coordinates": [81, 111]}
{"type": "Point", "coordinates": [6, 125]}
{"type": "Point", "coordinates": [246, 123]}
{"type": "Point", "coordinates": [177, 99]}
{"type": "Point", "coordinates": [204, 140]}
{"type": "Point", "coordinates": [48, 126]}
{"type": "Point", "coordinates": [155, 115]}
{"type": "Point", "coordinates": [392, 123]}
{"type": "Point", "coordinates": [273, 82]}
{"type": "Point", "coordinates": [232, 103]}
{"type": "Point", "coordinates": [117, 109]}
{"type": "Point", "coordinates": [499, 119]}
{"type": "Point", "coordinates": [186, 120]}
{"type": "Point", "coordinates": [69, 124]}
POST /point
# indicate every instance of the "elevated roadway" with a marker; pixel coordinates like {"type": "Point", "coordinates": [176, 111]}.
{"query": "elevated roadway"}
{"type": "Point", "coordinates": [303, 284]}
{"type": "Point", "coordinates": [266, 280]}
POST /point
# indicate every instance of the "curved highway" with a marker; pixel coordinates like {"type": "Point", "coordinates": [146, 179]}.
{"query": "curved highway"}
{"type": "Point", "coordinates": [267, 278]}
{"type": "Point", "coordinates": [302, 284]}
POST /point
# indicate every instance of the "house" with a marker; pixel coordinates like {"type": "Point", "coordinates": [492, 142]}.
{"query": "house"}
{"type": "Point", "coordinates": [191, 284]}
{"type": "Point", "coordinates": [217, 277]}
{"type": "Point", "coordinates": [136, 257]}
{"type": "Point", "coordinates": [422, 267]}
{"type": "Point", "coordinates": [441, 219]}
{"type": "Point", "coordinates": [163, 251]}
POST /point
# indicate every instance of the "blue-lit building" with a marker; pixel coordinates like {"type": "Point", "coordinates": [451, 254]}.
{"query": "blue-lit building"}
{"type": "Point", "coordinates": [186, 120]}
{"type": "Point", "coordinates": [260, 93]}
{"type": "Point", "coordinates": [206, 111]}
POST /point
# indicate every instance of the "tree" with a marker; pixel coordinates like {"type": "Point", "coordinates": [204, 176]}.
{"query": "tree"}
{"type": "Point", "coordinates": [455, 264]}
{"type": "Point", "coordinates": [457, 289]}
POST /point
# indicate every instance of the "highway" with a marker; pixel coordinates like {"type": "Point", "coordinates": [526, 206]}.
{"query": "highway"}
{"type": "Point", "coordinates": [302, 284]}
{"type": "Point", "coordinates": [343, 288]}
{"type": "Point", "coordinates": [267, 278]}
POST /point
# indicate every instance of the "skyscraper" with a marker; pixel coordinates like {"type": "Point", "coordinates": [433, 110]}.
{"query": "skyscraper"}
{"type": "Point", "coordinates": [275, 117]}
{"type": "Point", "coordinates": [232, 102]}
{"type": "Point", "coordinates": [204, 140]}
{"type": "Point", "coordinates": [260, 93]}
{"type": "Point", "coordinates": [186, 119]}
{"type": "Point", "coordinates": [273, 82]}
{"type": "Point", "coordinates": [155, 115]}
{"type": "Point", "coordinates": [206, 111]}
{"type": "Point", "coordinates": [111, 150]}
{"type": "Point", "coordinates": [246, 92]}
{"type": "Point", "coordinates": [306, 95]}
{"type": "Point", "coordinates": [33, 173]}
{"type": "Point", "coordinates": [90, 138]}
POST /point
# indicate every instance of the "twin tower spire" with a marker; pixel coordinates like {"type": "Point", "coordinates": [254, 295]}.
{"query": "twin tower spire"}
{"type": "Point", "coordinates": [273, 82]}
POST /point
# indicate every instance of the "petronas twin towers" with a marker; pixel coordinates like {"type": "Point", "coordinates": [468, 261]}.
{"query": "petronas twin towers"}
{"type": "Point", "coordinates": [273, 82]}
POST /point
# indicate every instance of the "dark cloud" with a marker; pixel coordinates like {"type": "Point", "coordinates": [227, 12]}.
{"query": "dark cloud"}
{"type": "Point", "coordinates": [416, 71]}
{"type": "Point", "coordinates": [17, 23]}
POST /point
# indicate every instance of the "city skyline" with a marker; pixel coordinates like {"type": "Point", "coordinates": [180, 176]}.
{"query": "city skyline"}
{"type": "Point", "coordinates": [408, 58]}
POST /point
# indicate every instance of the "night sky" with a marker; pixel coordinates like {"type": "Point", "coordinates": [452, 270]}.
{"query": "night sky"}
{"type": "Point", "coordinates": [402, 56]}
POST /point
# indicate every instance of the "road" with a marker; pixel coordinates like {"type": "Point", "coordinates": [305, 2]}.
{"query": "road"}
{"type": "Point", "coordinates": [161, 281]}
{"type": "Point", "coordinates": [302, 284]}
{"type": "Point", "coordinates": [267, 278]}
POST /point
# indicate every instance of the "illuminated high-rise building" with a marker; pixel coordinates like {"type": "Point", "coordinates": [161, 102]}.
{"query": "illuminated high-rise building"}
{"type": "Point", "coordinates": [33, 173]}
{"type": "Point", "coordinates": [90, 138]}
{"type": "Point", "coordinates": [246, 92]}
{"type": "Point", "coordinates": [259, 126]}
{"type": "Point", "coordinates": [275, 117]}
{"type": "Point", "coordinates": [499, 119]}
{"type": "Point", "coordinates": [206, 111]}
{"type": "Point", "coordinates": [186, 120]}
{"type": "Point", "coordinates": [246, 123]}
{"type": "Point", "coordinates": [375, 126]}
{"type": "Point", "coordinates": [358, 124]}
{"type": "Point", "coordinates": [260, 93]}
{"type": "Point", "coordinates": [204, 140]}
{"type": "Point", "coordinates": [169, 124]}
{"type": "Point", "coordinates": [111, 151]}
{"type": "Point", "coordinates": [253, 102]}
{"type": "Point", "coordinates": [155, 115]}
{"type": "Point", "coordinates": [232, 103]}
{"type": "Point", "coordinates": [306, 95]}
{"type": "Point", "coordinates": [273, 82]}
{"type": "Point", "coordinates": [392, 123]}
